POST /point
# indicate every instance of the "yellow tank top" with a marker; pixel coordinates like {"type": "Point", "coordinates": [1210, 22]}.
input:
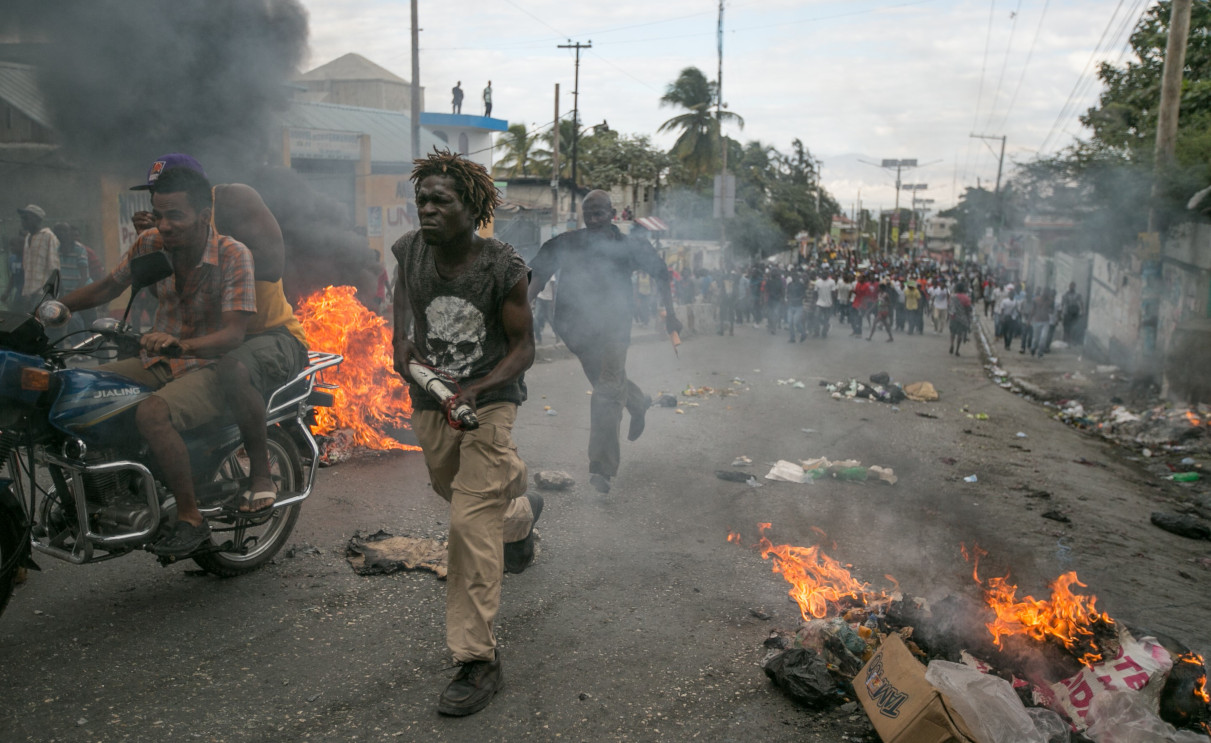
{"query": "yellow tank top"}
{"type": "Point", "coordinates": [273, 310]}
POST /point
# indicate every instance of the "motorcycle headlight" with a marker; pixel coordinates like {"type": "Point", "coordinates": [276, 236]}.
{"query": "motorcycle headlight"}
{"type": "Point", "coordinates": [52, 314]}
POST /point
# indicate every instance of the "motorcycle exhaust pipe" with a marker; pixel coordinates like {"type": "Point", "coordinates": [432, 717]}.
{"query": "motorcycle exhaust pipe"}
{"type": "Point", "coordinates": [462, 417]}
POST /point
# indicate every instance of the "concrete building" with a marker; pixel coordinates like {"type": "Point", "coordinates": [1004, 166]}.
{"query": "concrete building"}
{"type": "Point", "coordinates": [353, 80]}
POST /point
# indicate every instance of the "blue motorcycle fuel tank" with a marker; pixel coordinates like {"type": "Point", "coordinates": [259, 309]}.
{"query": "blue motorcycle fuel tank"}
{"type": "Point", "coordinates": [96, 405]}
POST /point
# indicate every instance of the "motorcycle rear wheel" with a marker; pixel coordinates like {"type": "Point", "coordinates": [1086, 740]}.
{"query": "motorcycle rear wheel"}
{"type": "Point", "coordinates": [271, 533]}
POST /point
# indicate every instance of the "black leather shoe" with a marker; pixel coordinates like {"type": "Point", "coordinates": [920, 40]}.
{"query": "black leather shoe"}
{"type": "Point", "coordinates": [519, 554]}
{"type": "Point", "coordinates": [638, 419]}
{"type": "Point", "coordinates": [601, 482]}
{"type": "Point", "coordinates": [472, 689]}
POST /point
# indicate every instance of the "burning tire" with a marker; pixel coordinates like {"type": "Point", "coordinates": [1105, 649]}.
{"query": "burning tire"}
{"type": "Point", "coordinates": [14, 544]}
{"type": "Point", "coordinates": [263, 535]}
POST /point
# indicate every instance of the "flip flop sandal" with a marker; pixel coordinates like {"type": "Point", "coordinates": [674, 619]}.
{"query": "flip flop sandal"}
{"type": "Point", "coordinates": [247, 498]}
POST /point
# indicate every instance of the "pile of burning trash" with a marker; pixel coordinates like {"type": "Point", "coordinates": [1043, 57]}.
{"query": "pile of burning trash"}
{"type": "Point", "coordinates": [370, 400]}
{"type": "Point", "coordinates": [1159, 426]}
{"type": "Point", "coordinates": [994, 669]}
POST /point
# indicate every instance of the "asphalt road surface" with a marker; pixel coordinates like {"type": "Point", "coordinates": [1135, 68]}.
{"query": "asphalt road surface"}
{"type": "Point", "coordinates": [638, 620]}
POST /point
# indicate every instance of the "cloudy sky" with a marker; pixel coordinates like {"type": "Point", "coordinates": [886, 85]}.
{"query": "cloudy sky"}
{"type": "Point", "coordinates": [853, 79]}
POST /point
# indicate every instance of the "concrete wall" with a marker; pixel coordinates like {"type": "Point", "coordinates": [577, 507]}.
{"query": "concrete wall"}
{"type": "Point", "coordinates": [1114, 310]}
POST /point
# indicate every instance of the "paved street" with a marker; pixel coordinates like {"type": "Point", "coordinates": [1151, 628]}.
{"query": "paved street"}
{"type": "Point", "coordinates": [636, 621]}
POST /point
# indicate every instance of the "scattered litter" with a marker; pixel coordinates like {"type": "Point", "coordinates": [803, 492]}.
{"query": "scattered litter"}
{"type": "Point", "coordinates": [741, 461]}
{"type": "Point", "coordinates": [981, 416]}
{"type": "Point", "coordinates": [553, 480]}
{"type": "Point", "coordinates": [798, 385]}
{"type": "Point", "coordinates": [784, 471]}
{"type": "Point", "coordinates": [1185, 477]}
{"type": "Point", "coordinates": [928, 415]}
{"type": "Point", "coordinates": [882, 378]}
{"type": "Point", "coordinates": [666, 401]}
{"type": "Point", "coordinates": [1106, 368]}
{"type": "Point", "coordinates": [1146, 452]}
{"type": "Point", "coordinates": [1020, 435]}
{"type": "Point", "coordinates": [297, 550]}
{"type": "Point", "coordinates": [1088, 462]}
{"type": "Point", "coordinates": [884, 473]}
{"type": "Point", "coordinates": [552, 411]}
{"type": "Point", "coordinates": [856, 391]}
{"type": "Point", "coordinates": [1181, 525]}
{"type": "Point", "coordinates": [382, 553]}
{"type": "Point", "coordinates": [733, 476]}
{"type": "Point", "coordinates": [971, 478]}
{"type": "Point", "coordinates": [1187, 460]}
{"type": "Point", "coordinates": [805, 677]}
{"type": "Point", "coordinates": [679, 411]}
{"type": "Point", "coordinates": [1057, 516]}
{"type": "Point", "coordinates": [808, 430]}
{"type": "Point", "coordinates": [921, 392]}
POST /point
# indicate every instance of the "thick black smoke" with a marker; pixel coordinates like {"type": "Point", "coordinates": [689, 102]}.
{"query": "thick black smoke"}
{"type": "Point", "coordinates": [127, 80]}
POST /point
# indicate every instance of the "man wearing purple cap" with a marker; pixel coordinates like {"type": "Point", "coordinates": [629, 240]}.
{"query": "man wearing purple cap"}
{"type": "Point", "coordinates": [41, 254]}
{"type": "Point", "coordinates": [275, 348]}
{"type": "Point", "coordinates": [202, 314]}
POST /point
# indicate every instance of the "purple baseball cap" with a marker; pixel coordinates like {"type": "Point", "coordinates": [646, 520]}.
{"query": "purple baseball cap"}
{"type": "Point", "coordinates": [168, 162]}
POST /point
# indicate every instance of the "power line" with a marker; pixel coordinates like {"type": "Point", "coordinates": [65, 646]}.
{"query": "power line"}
{"type": "Point", "coordinates": [1025, 65]}
{"type": "Point", "coordinates": [1013, 27]}
{"type": "Point", "coordinates": [1065, 111]}
{"type": "Point", "coordinates": [975, 119]}
{"type": "Point", "coordinates": [1124, 31]}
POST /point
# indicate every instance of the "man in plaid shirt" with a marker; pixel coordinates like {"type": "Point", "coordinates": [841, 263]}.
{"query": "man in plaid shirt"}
{"type": "Point", "coordinates": [202, 313]}
{"type": "Point", "coordinates": [41, 254]}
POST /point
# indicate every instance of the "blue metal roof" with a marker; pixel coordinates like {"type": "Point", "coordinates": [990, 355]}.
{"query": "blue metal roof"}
{"type": "Point", "coordinates": [19, 86]}
{"type": "Point", "coordinates": [463, 120]}
{"type": "Point", "coordinates": [390, 131]}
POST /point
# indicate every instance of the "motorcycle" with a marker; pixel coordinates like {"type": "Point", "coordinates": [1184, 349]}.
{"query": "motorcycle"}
{"type": "Point", "coordinates": [81, 484]}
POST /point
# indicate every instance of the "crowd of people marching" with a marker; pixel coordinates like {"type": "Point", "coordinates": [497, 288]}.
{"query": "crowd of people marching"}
{"type": "Point", "coordinates": [838, 289]}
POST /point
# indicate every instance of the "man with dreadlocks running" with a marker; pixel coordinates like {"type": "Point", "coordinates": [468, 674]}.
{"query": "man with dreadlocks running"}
{"type": "Point", "coordinates": [462, 298]}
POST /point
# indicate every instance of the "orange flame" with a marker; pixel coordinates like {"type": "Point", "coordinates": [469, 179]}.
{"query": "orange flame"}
{"type": "Point", "coordinates": [1201, 690]}
{"type": "Point", "coordinates": [1066, 616]}
{"type": "Point", "coordinates": [818, 582]}
{"type": "Point", "coordinates": [1194, 419]}
{"type": "Point", "coordinates": [371, 396]}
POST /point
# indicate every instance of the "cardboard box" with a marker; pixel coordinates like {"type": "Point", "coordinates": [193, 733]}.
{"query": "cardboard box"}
{"type": "Point", "coordinates": [902, 705]}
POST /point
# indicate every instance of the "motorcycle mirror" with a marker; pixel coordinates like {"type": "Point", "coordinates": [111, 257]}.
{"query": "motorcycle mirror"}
{"type": "Point", "coordinates": [146, 270]}
{"type": "Point", "coordinates": [51, 287]}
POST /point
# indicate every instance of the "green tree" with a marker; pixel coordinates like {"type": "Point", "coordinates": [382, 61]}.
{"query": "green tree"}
{"type": "Point", "coordinates": [697, 145]}
{"type": "Point", "coordinates": [518, 146]}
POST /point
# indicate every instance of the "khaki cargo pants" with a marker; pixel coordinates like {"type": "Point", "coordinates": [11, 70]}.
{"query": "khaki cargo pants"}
{"type": "Point", "coordinates": [481, 475]}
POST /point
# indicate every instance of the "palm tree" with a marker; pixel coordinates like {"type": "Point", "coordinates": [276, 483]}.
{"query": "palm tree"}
{"type": "Point", "coordinates": [519, 158]}
{"type": "Point", "coordinates": [697, 146]}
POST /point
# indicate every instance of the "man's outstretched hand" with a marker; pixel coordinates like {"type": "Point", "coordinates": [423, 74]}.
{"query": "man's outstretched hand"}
{"type": "Point", "coordinates": [672, 324]}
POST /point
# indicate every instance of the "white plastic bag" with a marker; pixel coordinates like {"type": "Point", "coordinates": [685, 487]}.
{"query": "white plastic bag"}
{"type": "Point", "coordinates": [1125, 717]}
{"type": "Point", "coordinates": [988, 704]}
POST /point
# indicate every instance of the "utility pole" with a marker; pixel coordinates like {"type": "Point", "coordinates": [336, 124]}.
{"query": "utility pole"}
{"type": "Point", "coordinates": [722, 141]}
{"type": "Point", "coordinates": [414, 114]}
{"type": "Point", "coordinates": [996, 194]}
{"type": "Point", "coordinates": [899, 165]}
{"type": "Point", "coordinates": [575, 114]}
{"type": "Point", "coordinates": [555, 167]}
{"type": "Point", "coordinates": [1171, 96]}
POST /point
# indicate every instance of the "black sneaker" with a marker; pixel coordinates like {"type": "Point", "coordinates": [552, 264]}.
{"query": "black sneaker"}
{"type": "Point", "coordinates": [638, 419]}
{"type": "Point", "coordinates": [601, 482]}
{"type": "Point", "coordinates": [519, 554]}
{"type": "Point", "coordinates": [472, 689]}
{"type": "Point", "coordinates": [183, 540]}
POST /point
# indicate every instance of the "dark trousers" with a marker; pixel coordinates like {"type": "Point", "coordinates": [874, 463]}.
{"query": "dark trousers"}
{"type": "Point", "coordinates": [604, 363]}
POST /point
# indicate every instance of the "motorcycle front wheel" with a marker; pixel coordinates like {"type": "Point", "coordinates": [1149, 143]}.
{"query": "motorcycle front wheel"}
{"type": "Point", "coordinates": [14, 544]}
{"type": "Point", "coordinates": [264, 535]}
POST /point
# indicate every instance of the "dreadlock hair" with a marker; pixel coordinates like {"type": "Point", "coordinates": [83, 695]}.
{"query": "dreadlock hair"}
{"type": "Point", "coordinates": [472, 182]}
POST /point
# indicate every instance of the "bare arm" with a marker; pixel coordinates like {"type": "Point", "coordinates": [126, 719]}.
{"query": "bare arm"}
{"type": "Point", "coordinates": [519, 327]}
{"type": "Point", "coordinates": [542, 269]}
{"type": "Point", "coordinates": [94, 294]}
{"type": "Point", "coordinates": [241, 213]}
{"type": "Point", "coordinates": [402, 319]}
{"type": "Point", "coordinates": [211, 345]}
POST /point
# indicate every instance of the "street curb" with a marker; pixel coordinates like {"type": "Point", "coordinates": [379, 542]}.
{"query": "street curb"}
{"type": "Point", "coordinates": [1015, 383]}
